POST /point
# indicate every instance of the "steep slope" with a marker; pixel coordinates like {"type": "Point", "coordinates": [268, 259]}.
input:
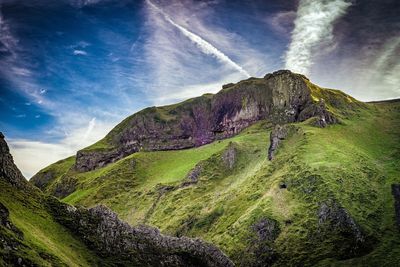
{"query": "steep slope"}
{"type": "Point", "coordinates": [40, 231]}
{"type": "Point", "coordinates": [29, 235]}
{"type": "Point", "coordinates": [327, 197]}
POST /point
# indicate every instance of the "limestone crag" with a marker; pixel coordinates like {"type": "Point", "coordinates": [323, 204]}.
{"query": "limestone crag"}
{"type": "Point", "coordinates": [280, 97]}
{"type": "Point", "coordinates": [278, 134]}
{"type": "Point", "coordinates": [8, 170]}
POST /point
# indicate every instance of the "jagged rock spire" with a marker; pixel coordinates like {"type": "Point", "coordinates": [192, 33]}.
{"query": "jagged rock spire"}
{"type": "Point", "coordinates": [8, 171]}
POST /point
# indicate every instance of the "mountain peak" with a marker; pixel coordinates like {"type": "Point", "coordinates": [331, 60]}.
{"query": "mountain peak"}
{"type": "Point", "coordinates": [279, 97]}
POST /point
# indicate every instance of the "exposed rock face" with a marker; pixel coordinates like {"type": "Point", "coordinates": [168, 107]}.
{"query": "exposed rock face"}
{"type": "Point", "coordinates": [140, 246]}
{"type": "Point", "coordinates": [8, 170]}
{"type": "Point", "coordinates": [278, 134]}
{"type": "Point", "coordinates": [280, 97]}
{"type": "Point", "coordinates": [396, 195]}
{"type": "Point", "coordinates": [229, 156]}
{"type": "Point", "coordinates": [66, 187]}
{"type": "Point", "coordinates": [323, 117]}
{"type": "Point", "coordinates": [262, 244]}
{"type": "Point", "coordinates": [335, 221]}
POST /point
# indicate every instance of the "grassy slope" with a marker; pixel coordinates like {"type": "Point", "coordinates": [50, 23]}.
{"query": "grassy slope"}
{"type": "Point", "coordinates": [353, 163]}
{"type": "Point", "coordinates": [45, 242]}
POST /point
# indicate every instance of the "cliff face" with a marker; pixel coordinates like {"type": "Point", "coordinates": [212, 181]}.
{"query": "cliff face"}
{"type": "Point", "coordinates": [114, 242]}
{"type": "Point", "coordinates": [8, 170]}
{"type": "Point", "coordinates": [280, 97]}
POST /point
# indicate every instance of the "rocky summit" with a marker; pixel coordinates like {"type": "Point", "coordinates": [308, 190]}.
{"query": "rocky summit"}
{"type": "Point", "coordinates": [271, 171]}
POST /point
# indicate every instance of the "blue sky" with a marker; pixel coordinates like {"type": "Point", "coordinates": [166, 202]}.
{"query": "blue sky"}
{"type": "Point", "coordinates": [71, 70]}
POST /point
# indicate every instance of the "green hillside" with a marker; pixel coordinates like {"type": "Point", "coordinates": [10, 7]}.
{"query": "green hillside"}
{"type": "Point", "coordinates": [44, 242]}
{"type": "Point", "coordinates": [325, 199]}
{"type": "Point", "coordinates": [39, 230]}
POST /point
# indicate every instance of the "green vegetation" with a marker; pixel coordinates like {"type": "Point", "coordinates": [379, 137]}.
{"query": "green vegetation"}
{"type": "Point", "coordinates": [350, 165]}
{"type": "Point", "coordinates": [55, 172]}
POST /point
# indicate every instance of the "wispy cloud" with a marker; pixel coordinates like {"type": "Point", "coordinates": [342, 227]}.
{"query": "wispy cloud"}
{"type": "Point", "coordinates": [8, 42]}
{"type": "Point", "coordinates": [21, 71]}
{"type": "Point", "coordinates": [178, 67]}
{"type": "Point", "coordinates": [80, 52]}
{"type": "Point", "coordinates": [313, 30]}
{"type": "Point", "coordinates": [12, 65]}
{"type": "Point", "coordinates": [205, 46]}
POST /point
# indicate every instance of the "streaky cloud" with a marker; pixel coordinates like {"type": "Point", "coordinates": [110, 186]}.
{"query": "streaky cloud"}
{"type": "Point", "coordinates": [313, 29]}
{"type": "Point", "coordinates": [204, 46]}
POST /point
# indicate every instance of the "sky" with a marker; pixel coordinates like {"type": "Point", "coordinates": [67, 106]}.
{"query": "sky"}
{"type": "Point", "coordinates": [70, 70]}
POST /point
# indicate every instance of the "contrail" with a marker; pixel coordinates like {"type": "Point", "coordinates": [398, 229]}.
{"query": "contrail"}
{"type": "Point", "coordinates": [313, 27]}
{"type": "Point", "coordinates": [204, 46]}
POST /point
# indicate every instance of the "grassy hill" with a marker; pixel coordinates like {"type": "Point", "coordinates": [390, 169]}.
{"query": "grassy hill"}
{"type": "Point", "coordinates": [325, 199]}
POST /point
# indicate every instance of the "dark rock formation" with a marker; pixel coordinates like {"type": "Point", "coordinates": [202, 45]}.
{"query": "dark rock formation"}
{"type": "Point", "coordinates": [335, 222]}
{"type": "Point", "coordinates": [193, 176]}
{"type": "Point", "coordinates": [280, 97]}
{"type": "Point", "coordinates": [319, 111]}
{"type": "Point", "coordinates": [266, 230]}
{"type": "Point", "coordinates": [278, 134]}
{"type": "Point", "coordinates": [65, 187]}
{"type": "Point", "coordinates": [229, 156]}
{"type": "Point", "coordinates": [8, 170]}
{"type": "Point", "coordinates": [139, 246]}
{"type": "Point", "coordinates": [396, 195]}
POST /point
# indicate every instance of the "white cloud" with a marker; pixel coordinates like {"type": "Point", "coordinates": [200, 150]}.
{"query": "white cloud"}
{"type": "Point", "coordinates": [21, 71]}
{"type": "Point", "coordinates": [282, 22]}
{"type": "Point", "coordinates": [204, 46]}
{"type": "Point", "coordinates": [80, 52]}
{"type": "Point", "coordinates": [31, 156]}
{"type": "Point", "coordinates": [313, 30]}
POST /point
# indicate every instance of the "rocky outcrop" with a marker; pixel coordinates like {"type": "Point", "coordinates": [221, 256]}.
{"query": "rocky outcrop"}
{"type": "Point", "coordinates": [396, 195]}
{"type": "Point", "coordinates": [265, 231]}
{"type": "Point", "coordinates": [229, 156]}
{"type": "Point", "coordinates": [65, 187]}
{"type": "Point", "coordinates": [277, 135]}
{"type": "Point", "coordinates": [8, 170]}
{"type": "Point", "coordinates": [101, 229]}
{"type": "Point", "coordinates": [320, 113]}
{"type": "Point", "coordinates": [280, 97]}
{"type": "Point", "coordinates": [335, 222]}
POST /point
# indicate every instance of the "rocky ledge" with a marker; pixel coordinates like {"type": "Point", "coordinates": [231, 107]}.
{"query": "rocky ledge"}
{"type": "Point", "coordinates": [103, 231]}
